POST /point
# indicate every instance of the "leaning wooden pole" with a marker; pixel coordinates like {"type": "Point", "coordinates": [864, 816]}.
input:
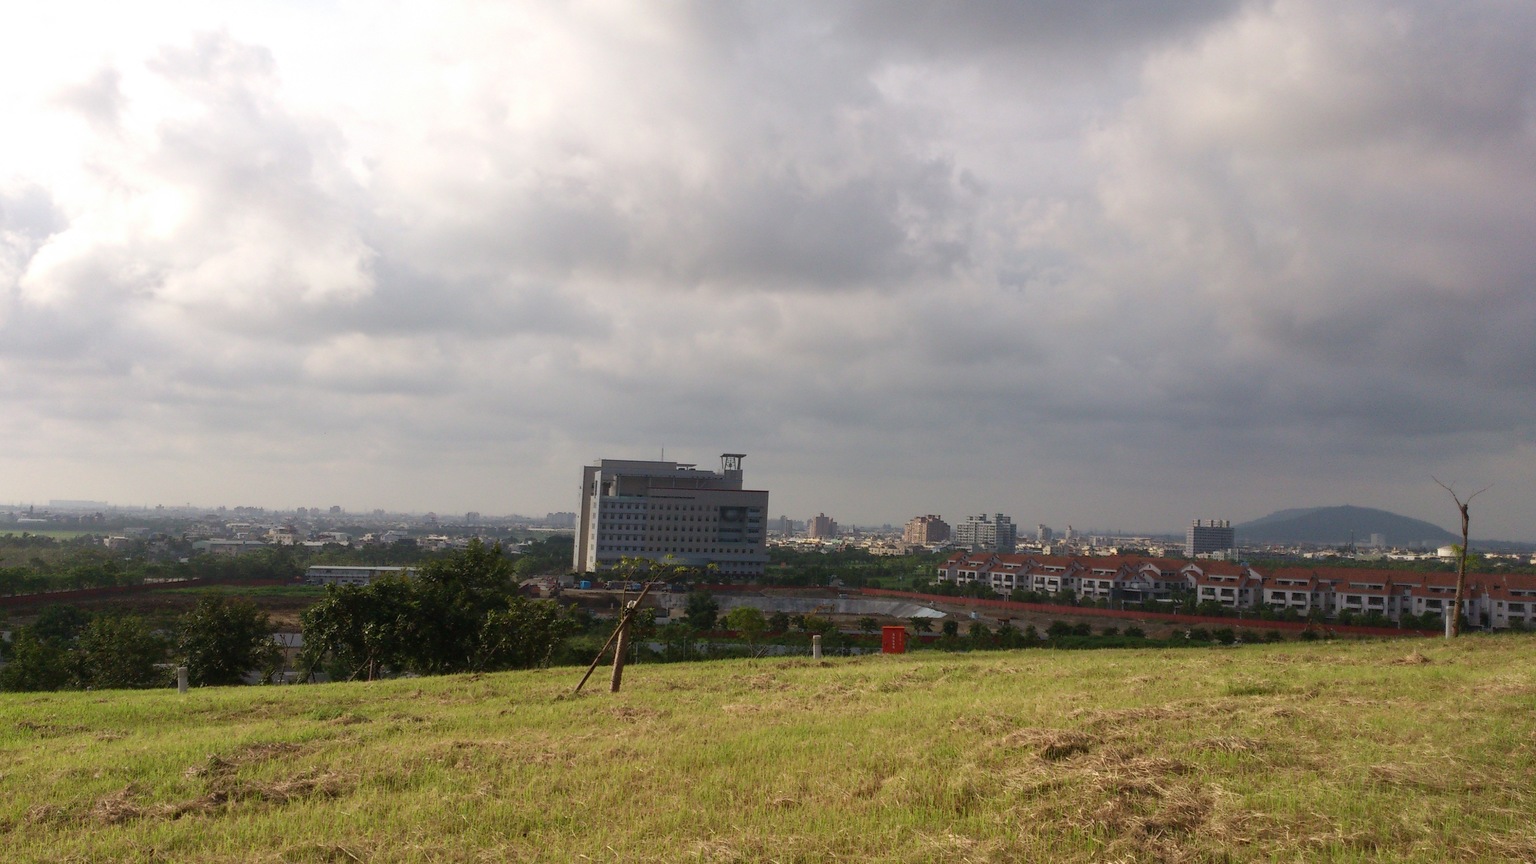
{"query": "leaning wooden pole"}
{"type": "Point", "coordinates": [624, 620]}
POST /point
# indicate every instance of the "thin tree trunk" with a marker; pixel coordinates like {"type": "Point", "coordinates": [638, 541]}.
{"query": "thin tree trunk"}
{"type": "Point", "coordinates": [1461, 573]}
{"type": "Point", "coordinates": [620, 651]}
{"type": "Point", "coordinates": [1461, 560]}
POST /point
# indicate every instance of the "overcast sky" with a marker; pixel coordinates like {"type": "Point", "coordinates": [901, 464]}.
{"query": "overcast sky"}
{"type": "Point", "coordinates": [1113, 264]}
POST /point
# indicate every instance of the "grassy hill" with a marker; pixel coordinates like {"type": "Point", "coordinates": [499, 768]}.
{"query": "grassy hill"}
{"type": "Point", "coordinates": [1342, 751]}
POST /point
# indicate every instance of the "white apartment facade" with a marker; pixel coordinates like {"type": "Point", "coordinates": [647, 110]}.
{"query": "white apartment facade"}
{"type": "Point", "coordinates": [1496, 600]}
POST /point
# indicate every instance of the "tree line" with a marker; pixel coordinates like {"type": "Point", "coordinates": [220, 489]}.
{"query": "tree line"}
{"type": "Point", "coordinates": [459, 612]}
{"type": "Point", "coordinates": [35, 564]}
{"type": "Point", "coordinates": [220, 641]}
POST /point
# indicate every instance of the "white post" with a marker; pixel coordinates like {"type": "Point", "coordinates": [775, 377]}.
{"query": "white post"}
{"type": "Point", "coordinates": [181, 679]}
{"type": "Point", "coordinates": [816, 647]}
{"type": "Point", "coordinates": [1449, 620]}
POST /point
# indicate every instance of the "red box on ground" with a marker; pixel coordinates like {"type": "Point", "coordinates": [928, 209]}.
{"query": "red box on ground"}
{"type": "Point", "coordinates": [893, 640]}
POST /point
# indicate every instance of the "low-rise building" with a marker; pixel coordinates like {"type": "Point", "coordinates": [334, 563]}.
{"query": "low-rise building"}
{"type": "Point", "coordinates": [332, 574]}
{"type": "Point", "coordinates": [1491, 600]}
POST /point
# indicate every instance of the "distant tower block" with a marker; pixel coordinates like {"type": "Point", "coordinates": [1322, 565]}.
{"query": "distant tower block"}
{"type": "Point", "coordinates": [1208, 535]}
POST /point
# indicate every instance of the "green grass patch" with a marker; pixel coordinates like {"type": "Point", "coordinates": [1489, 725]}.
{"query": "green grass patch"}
{"type": "Point", "coordinates": [1296, 752]}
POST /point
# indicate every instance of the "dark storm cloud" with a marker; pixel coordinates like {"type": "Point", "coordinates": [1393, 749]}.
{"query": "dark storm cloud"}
{"type": "Point", "coordinates": [1088, 28]}
{"type": "Point", "coordinates": [1126, 261]}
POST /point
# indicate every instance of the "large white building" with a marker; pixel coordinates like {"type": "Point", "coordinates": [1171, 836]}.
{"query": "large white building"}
{"type": "Point", "coordinates": [659, 510]}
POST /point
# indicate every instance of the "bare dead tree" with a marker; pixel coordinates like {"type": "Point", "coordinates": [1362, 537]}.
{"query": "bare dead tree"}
{"type": "Point", "coordinates": [1461, 559]}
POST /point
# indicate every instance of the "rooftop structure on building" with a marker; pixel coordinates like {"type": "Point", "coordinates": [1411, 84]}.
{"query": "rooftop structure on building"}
{"type": "Point", "coordinates": [671, 511]}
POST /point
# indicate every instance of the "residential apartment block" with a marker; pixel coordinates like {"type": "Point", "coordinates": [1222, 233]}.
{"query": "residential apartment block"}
{"type": "Point", "coordinates": [821, 527]}
{"type": "Point", "coordinates": [660, 510]}
{"type": "Point", "coordinates": [1492, 600]}
{"type": "Point", "coordinates": [979, 533]}
{"type": "Point", "coordinates": [925, 531]}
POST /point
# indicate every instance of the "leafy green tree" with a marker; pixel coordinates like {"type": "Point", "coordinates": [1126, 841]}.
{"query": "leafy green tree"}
{"type": "Point", "coordinates": [921, 624]}
{"type": "Point", "coordinates": [951, 629]}
{"type": "Point", "coordinates": [868, 624]}
{"type": "Point", "coordinates": [748, 621]}
{"type": "Point", "coordinates": [458, 613]}
{"type": "Point", "coordinates": [642, 627]}
{"type": "Point", "coordinates": [819, 625]}
{"type": "Point", "coordinates": [360, 629]}
{"type": "Point", "coordinates": [221, 640]}
{"type": "Point", "coordinates": [60, 625]}
{"type": "Point", "coordinates": [34, 664]}
{"type": "Point", "coordinates": [701, 609]}
{"type": "Point", "coordinates": [1008, 636]}
{"type": "Point", "coordinates": [778, 622]}
{"type": "Point", "coordinates": [545, 556]}
{"type": "Point", "coordinates": [118, 652]}
{"type": "Point", "coordinates": [677, 639]}
{"type": "Point", "coordinates": [979, 634]}
{"type": "Point", "coordinates": [522, 634]}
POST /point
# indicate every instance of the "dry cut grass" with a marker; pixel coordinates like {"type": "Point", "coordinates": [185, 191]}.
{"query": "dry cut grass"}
{"type": "Point", "coordinates": [1331, 752]}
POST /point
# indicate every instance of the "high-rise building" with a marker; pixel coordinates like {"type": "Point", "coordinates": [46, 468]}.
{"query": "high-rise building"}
{"type": "Point", "coordinates": [821, 527]}
{"type": "Point", "coordinates": [1208, 535]}
{"type": "Point", "coordinates": [925, 531]}
{"type": "Point", "coordinates": [661, 510]}
{"type": "Point", "coordinates": [979, 534]}
{"type": "Point", "coordinates": [1043, 533]}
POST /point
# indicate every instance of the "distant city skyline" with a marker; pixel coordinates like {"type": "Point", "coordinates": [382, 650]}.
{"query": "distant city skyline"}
{"type": "Point", "coordinates": [895, 527]}
{"type": "Point", "coordinates": [1092, 263]}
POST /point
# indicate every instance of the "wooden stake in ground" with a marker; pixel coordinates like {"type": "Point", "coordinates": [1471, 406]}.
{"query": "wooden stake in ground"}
{"type": "Point", "coordinates": [630, 611]}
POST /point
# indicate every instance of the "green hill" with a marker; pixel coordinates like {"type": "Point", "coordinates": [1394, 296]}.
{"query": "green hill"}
{"type": "Point", "coordinates": [1333, 526]}
{"type": "Point", "coordinates": [1295, 752]}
